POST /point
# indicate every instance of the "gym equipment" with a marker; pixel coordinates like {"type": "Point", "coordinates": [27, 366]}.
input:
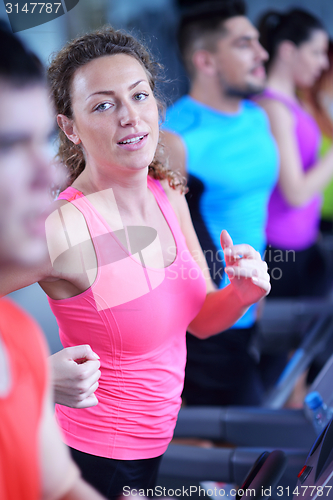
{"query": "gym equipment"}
{"type": "Point", "coordinates": [314, 342]}
{"type": "Point", "coordinates": [254, 427]}
{"type": "Point", "coordinates": [315, 479]}
{"type": "Point", "coordinates": [229, 465]}
{"type": "Point", "coordinates": [269, 426]}
{"type": "Point", "coordinates": [249, 426]}
{"type": "Point", "coordinates": [264, 475]}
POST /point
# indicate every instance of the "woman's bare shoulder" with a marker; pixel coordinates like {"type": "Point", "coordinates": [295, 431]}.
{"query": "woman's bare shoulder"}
{"type": "Point", "coordinates": [176, 198]}
{"type": "Point", "coordinates": [174, 195]}
{"type": "Point", "coordinates": [63, 216]}
{"type": "Point", "coordinates": [65, 227]}
{"type": "Point", "coordinates": [276, 110]}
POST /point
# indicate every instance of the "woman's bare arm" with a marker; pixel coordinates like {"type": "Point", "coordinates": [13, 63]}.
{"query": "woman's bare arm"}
{"type": "Point", "coordinates": [297, 186]}
{"type": "Point", "coordinates": [249, 278]}
{"type": "Point", "coordinates": [14, 278]}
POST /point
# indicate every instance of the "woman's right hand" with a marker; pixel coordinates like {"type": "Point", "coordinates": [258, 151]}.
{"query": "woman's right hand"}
{"type": "Point", "coordinates": [75, 373]}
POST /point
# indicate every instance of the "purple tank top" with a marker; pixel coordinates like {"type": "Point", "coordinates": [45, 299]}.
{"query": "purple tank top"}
{"type": "Point", "coordinates": [288, 227]}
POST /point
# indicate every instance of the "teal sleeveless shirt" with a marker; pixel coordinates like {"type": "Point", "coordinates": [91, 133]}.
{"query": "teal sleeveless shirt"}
{"type": "Point", "coordinates": [232, 162]}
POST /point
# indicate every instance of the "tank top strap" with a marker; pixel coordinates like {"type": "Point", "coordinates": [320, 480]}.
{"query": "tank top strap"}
{"type": "Point", "coordinates": [160, 196]}
{"type": "Point", "coordinates": [96, 224]}
{"type": "Point", "coordinates": [70, 194]}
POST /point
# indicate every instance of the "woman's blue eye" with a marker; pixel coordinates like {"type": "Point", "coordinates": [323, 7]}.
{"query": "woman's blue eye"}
{"type": "Point", "coordinates": [104, 106]}
{"type": "Point", "coordinates": [141, 96]}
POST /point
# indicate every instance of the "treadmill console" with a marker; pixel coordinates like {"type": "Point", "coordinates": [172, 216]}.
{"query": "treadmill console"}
{"type": "Point", "coordinates": [315, 479]}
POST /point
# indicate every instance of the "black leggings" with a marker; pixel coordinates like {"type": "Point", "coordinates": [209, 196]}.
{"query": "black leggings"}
{"type": "Point", "coordinates": [110, 476]}
{"type": "Point", "coordinates": [307, 273]}
{"type": "Point", "coordinates": [220, 370]}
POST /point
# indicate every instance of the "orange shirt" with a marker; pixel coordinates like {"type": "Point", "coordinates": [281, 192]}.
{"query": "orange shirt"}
{"type": "Point", "coordinates": [21, 408]}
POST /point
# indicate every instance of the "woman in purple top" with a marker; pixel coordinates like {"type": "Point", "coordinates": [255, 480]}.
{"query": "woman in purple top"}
{"type": "Point", "coordinates": [297, 45]}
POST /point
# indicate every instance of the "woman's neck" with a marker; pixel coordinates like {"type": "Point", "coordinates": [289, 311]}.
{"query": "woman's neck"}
{"type": "Point", "coordinates": [129, 189]}
{"type": "Point", "coordinates": [279, 79]}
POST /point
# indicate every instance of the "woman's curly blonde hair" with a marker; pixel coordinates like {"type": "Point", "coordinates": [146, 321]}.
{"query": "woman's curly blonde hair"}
{"type": "Point", "coordinates": [77, 53]}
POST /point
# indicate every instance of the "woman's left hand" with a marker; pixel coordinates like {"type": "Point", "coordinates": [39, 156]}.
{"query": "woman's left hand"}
{"type": "Point", "coordinates": [246, 270]}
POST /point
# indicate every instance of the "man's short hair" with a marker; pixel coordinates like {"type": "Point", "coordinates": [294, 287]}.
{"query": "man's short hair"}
{"type": "Point", "coordinates": [18, 66]}
{"type": "Point", "coordinates": [202, 25]}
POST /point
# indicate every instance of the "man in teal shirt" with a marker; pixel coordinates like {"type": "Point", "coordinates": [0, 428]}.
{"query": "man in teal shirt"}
{"type": "Point", "coordinates": [221, 141]}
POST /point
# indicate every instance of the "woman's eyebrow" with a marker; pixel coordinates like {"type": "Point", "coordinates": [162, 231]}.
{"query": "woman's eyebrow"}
{"type": "Point", "coordinates": [131, 87]}
{"type": "Point", "coordinates": [111, 92]}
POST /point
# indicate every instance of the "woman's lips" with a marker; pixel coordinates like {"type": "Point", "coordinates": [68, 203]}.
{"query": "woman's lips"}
{"type": "Point", "coordinates": [133, 143]}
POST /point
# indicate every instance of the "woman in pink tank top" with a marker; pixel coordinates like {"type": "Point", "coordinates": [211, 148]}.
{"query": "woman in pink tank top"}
{"type": "Point", "coordinates": [297, 45]}
{"type": "Point", "coordinates": [127, 275]}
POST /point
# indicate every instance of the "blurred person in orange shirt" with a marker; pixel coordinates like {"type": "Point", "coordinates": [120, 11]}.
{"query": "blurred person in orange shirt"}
{"type": "Point", "coordinates": [34, 462]}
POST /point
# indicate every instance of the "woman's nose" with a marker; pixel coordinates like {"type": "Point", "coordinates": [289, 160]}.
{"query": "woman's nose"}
{"type": "Point", "coordinates": [129, 115]}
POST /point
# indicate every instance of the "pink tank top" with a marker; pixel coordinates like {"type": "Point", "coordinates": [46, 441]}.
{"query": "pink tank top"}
{"type": "Point", "coordinates": [135, 319]}
{"type": "Point", "coordinates": [288, 227]}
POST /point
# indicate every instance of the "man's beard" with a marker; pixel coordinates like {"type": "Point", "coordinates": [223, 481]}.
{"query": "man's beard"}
{"type": "Point", "coordinates": [244, 92]}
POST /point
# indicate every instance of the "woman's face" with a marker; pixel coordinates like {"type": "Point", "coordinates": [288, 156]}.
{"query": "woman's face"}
{"type": "Point", "coordinates": [115, 114]}
{"type": "Point", "coordinates": [310, 59]}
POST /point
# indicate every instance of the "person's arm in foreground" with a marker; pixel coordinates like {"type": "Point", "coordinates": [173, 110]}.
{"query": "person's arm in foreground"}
{"type": "Point", "coordinates": [75, 370]}
{"type": "Point", "coordinates": [60, 476]}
